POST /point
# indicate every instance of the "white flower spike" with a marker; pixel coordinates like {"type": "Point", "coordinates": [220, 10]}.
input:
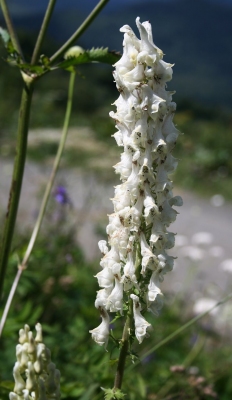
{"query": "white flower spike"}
{"type": "Point", "coordinates": [135, 259]}
{"type": "Point", "coordinates": [36, 377]}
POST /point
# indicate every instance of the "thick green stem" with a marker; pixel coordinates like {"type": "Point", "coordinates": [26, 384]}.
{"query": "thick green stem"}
{"type": "Point", "coordinates": [43, 30]}
{"type": "Point", "coordinates": [80, 30]}
{"type": "Point", "coordinates": [21, 150]}
{"type": "Point", "coordinates": [124, 349]}
{"type": "Point", "coordinates": [10, 27]}
{"type": "Point", "coordinates": [47, 192]}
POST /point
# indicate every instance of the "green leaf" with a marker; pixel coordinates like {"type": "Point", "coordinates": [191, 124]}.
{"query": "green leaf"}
{"type": "Point", "coordinates": [9, 385]}
{"type": "Point", "coordinates": [113, 361]}
{"type": "Point", "coordinates": [113, 394]}
{"type": "Point", "coordinates": [94, 55]}
{"type": "Point", "coordinates": [13, 54]}
{"type": "Point", "coordinates": [87, 395]}
{"type": "Point", "coordinates": [141, 386]}
{"type": "Point", "coordinates": [31, 69]}
{"type": "Point", "coordinates": [4, 36]}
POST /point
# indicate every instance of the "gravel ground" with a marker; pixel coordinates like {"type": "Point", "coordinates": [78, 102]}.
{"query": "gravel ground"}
{"type": "Point", "coordinates": [204, 227]}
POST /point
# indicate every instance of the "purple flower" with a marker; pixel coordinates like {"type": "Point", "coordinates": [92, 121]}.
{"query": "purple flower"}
{"type": "Point", "coordinates": [61, 195]}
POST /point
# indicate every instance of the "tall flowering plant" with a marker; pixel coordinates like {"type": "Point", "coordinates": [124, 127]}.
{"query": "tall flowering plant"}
{"type": "Point", "coordinates": [135, 259]}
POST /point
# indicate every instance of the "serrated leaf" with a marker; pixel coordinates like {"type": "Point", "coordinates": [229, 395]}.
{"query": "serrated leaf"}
{"type": "Point", "coordinates": [110, 394]}
{"type": "Point", "coordinates": [104, 55]}
{"type": "Point", "coordinates": [93, 55]}
{"type": "Point", "coordinates": [31, 69]}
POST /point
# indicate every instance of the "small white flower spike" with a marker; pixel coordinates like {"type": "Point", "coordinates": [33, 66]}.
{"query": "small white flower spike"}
{"type": "Point", "coordinates": [36, 377]}
{"type": "Point", "coordinates": [135, 259]}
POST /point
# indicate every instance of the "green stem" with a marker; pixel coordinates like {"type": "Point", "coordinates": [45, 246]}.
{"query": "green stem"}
{"type": "Point", "coordinates": [21, 149]}
{"type": "Point", "coordinates": [80, 30]}
{"type": "Point", "coordinates": [42, 32]}
{"type": "Point", "coordinates": [53, 173]}
{"type": "Point", "coordinates": [180, 330]}
{"type": "Point", "coordinates": [124, 349]}
{"type": "Point", "coordinates": [47, 192]}
{"type": "Point", "coordinates": [10, 28]}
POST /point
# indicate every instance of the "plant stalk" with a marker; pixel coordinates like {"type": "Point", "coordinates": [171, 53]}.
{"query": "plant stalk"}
{"type": "Point", "coordinates": [43, 31]}
{"type": "Point", "coordinates": [47, 192]}
{"type": "Point", "coordinates": [124, 349]}
{"type": "Point", "coordinates": [10, 28]}
{"type": "Point", "coordinates": [79, 31]}
{"type": "Point", "coordinates": [15, 190]}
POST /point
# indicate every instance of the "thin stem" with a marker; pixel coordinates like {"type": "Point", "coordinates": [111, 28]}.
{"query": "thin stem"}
{"type": "Point", "coordinates": [124, 350]}
{"type": "Point", "coordinates": [9, 300]}
{"type": "Point", "coordinates": [80, 30]}
{"type": "Point", "coordinates": [180, 330]}
{"type": "Point", "coordinates": [10, 27]}
{"type": "Point", "coordinates": [21, 149]}
{"type": "Point", "coordinates": [48, 189]}
{"type": "Point", "coordinates": [42, 32]}
{"type": "Point", "coordinates": [53, 173]}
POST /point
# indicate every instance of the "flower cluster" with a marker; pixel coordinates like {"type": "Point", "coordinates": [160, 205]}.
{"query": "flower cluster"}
{"type": "Point", "coordinates": [36, 377]}
{"type": "Point", "coordinates": [137, 260]}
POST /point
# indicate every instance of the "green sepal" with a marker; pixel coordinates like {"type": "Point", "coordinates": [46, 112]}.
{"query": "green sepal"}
{"type": "Point", "coordinates": [101, 54]}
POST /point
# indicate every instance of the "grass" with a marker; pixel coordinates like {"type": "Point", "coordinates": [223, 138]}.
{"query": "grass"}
{"type": "Point", "coordinates": [58, 290]}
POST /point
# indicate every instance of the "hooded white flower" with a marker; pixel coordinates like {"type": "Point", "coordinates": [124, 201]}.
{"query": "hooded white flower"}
{"type": "Point", "coordinates": [138, 239]}
{"type": "Point", "coordinates": [141, 325]}
{"type": "Point", "coordinates": [101, 333]}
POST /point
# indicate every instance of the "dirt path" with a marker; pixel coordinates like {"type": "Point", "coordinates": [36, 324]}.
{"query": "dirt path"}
{"type": "Point", "coordinates": [204, 231]}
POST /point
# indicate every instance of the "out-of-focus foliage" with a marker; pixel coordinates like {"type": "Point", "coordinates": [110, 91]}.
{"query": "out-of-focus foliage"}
{"type": "Point", "coordinates": [204, 149]}
{"type": "Point", "coordinates": [58, 290]}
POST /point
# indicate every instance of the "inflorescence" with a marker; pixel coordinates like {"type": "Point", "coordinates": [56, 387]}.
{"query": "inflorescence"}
{"type": "Point", "coordinates": [136, 260]}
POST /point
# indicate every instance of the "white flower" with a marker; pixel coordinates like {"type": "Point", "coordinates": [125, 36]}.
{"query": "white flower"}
{"type": "Point", "coordinates": [102, 297]}
{"type": "Point", "coordinates": [101, 334]}
{"type": "Point", "coordinates": [153, 289]}
{"type": "Point", "coordinates": [105, 278]}
{"type": "Point", "coordinates": [114, 301]}
{"type": "Point", "coordinates": [141, 325]}
{"type": "Point", "coordinates": [103, 247]}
